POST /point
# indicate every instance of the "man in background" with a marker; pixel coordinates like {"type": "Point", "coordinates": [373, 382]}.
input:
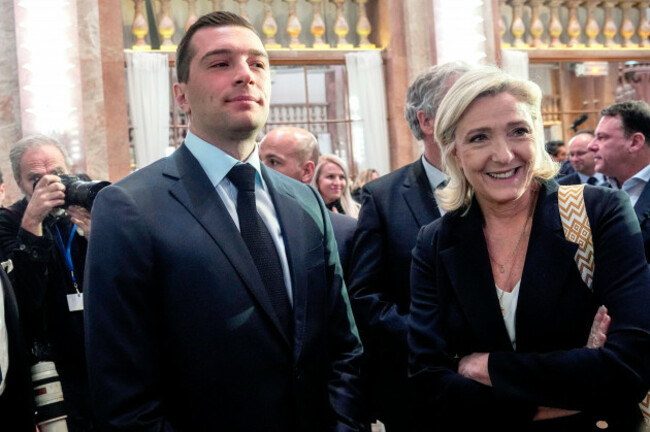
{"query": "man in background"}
{"type": "Point", "coordinates": [294, 152]}
{"type": "Point", "coordinates": [622, 153]}
{"type": "Point", "coordinates": [47, 247]}
{"type": "Point", "coordinates": [394, 208]}
{"type": "Point", "coordinates": [582, 161]}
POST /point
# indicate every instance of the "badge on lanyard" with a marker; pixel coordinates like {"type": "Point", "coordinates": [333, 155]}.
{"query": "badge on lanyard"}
{"type": "Point", "coordinates": [76, 300]}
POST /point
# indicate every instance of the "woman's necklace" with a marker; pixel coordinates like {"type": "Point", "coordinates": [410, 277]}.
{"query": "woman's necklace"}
{"type": "Point", "coordinates": [502, 267]}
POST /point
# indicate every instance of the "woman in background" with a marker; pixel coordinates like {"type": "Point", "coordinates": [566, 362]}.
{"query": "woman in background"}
{"type": "Point", "coordinates": [332, 181]}
{"type": "Point", "coordinates": [500, 316]}
{"type": "Point", "coordinates": [364, 177]}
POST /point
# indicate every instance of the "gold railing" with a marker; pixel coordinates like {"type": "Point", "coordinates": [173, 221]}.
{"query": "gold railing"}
{"type": "Point", "coordinates": [562, 24]}
{"type": "Point", "coordinates": [265, 15]}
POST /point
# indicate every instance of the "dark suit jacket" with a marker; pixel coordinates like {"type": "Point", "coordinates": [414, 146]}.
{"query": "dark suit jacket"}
{"type": "Point", "coordinates": [570, 179]}
{"type": "Point", "coordinates": [455, 312]}
{"type": "Point", "coordinates": [181, 334]}
{"type": "Point", "coordinates": [642, 210]}
{"type": "Point", "coordinates": [393, 209]}
{"type": "Point", "coordinates": [17, 401]}
{"type": "Point", "coordinates": [344, 227]}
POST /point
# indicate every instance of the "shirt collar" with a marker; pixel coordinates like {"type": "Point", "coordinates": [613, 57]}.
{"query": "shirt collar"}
{"type": "Point", "coordinates": [434, 175]}
{"type": "Point", "coordinates": [216, 163]}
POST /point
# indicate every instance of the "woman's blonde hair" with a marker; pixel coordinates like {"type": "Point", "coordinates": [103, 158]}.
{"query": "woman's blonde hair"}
{"type": "Point", "coordinates": [483, 82]}
{"type": "Point", "coordinates": [350, 207]}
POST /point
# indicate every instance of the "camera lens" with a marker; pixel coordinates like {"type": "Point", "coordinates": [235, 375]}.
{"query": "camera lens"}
{"type": "Point", "coordinates": [48, 396]}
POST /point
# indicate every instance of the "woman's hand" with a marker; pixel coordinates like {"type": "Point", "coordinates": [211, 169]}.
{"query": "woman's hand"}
{"type": "Point", "coordinates": [475, 366]}
{"type": "Point", "coordinates": [600, 326]}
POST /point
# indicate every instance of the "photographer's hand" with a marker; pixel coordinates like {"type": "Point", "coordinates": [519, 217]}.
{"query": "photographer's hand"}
{"type": "Point", "coordinates": [48, 194]}
{"type": "Point", "coordinates": [80, 217]}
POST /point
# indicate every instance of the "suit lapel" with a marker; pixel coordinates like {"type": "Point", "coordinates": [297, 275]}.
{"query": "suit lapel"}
{"type": "Point", "coordinates": [195, 192]}
{"type": "Point", "coordinates": [549, 259]}
{"type": "Point", "coordinates": [475, 289]}
{"type": "Point", "coordinates": [418, 195]}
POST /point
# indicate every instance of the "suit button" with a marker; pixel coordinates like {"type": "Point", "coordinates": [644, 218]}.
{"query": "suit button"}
{"type": "Point", "coordinates": [602, 424]}
{"type": "Point", "coordinates": [297, 373]}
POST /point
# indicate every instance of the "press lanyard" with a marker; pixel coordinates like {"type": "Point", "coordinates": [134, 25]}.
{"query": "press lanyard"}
{"type": "Point", "coordinates": [66, 253]}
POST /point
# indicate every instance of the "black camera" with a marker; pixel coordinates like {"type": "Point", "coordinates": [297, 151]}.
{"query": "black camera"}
{"type": "Point", "coordinates": [80, 190]}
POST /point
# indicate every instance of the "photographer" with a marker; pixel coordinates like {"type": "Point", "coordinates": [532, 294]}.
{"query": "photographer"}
{"type": "Point", "coordinates": [47, 245]}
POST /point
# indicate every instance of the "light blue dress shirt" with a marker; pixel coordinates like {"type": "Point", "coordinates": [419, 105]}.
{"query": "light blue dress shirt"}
{"type": "Point", "coordinates": [216, 163]}
{"type": "Point", "coordinates": [436, 179]}
{"type": "Point", "coordinates": [634, 185]}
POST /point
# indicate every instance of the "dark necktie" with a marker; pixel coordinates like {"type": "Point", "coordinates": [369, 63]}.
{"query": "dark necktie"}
{"type": "Point", "coordinates": [260, 244]}
{"type": "Point", "coordinates": [592, 181]}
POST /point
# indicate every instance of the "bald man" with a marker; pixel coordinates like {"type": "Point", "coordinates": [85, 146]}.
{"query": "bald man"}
{"type": "Point", "coordinates": [583, 162]}
{"type": "Point", "coordinates": [294, 152]}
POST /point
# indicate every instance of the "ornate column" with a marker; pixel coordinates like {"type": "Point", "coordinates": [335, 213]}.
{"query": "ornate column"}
{"type": "Point", "coordinates": [140, 28]}
{"type": "Point", "coordinates": [363, 26]}
{"type": "Point", "coordinates": [573, 28]}
{"type": "Point", "coordinates": [502, 25]}
{"type": "Point", "coordinates": [217, 5]}
{"type": "Point", "coordinates": [242, 9]}
{"type": "Point", "coordinates": [341, 28]}
{"type": "Point", "coordinates": [191, 13]}
{"type": "Point", "coordinates": [555, 26]}
{"type": "Point", "coordinates": [517, 27]}
{"type": "Point", "coordinates": [269, 26]}
{"type": "Point", "coordinates": [592, 29]}
{"type": "Point", "coordinates": [609, 28]}
{"type": "Point", "coordinates": [644, 25]}
{"type": "Point", "coordinates": [536, 25]}
{"type": "Point", "coordinates": [293, 26]}
{"type": "Point", "coordinates": [627, 27]}
{"type": "Point", "coordinates": [317, 27]}
{"type": "Point", "coordinates": [166, 27]}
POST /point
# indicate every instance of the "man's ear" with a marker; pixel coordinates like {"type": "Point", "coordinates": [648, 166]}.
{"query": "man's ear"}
{"type": "Point", "coordinates": [637, 142]}
{"type": "Point", "coordinates": [426, 123]}
{"type": "Point", "coordinates": [181, 97]}
{"type": "Point", "coordinates": [307, 172]}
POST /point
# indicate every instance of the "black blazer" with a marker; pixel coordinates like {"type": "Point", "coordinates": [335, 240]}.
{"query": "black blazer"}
{"type": "Point", "coordinates": [570, 179]}
{"type": "Point", "coordinates": [181, 334]}
{"type": "Point", "coordinates": [642, 210]}
{"type": "Point", "coordinates": [393, 209]}
{"type": "Point", "coordinates": [455, 312]}
{"type": "Point", "coordinates": [17, 401]}
{"type": "Point", "coordinates": [344, 227]}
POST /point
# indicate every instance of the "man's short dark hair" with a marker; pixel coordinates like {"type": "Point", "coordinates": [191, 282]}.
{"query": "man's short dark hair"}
{"type": "Point", "coordinates": [634, 115]}
{"type": "Point", "coordinates": [553, 147]}
{"type": "Point", "coordinates": [185, 52]}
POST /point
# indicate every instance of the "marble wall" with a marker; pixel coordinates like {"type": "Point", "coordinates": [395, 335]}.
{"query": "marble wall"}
{"type": "Point", "coordinates": [10, 124]}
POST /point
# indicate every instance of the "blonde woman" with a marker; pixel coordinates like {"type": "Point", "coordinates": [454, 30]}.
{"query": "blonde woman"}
{"type": "Point", "coordinates": [332, 181]}
{"type": "Point", "coordinates": [500, 317]}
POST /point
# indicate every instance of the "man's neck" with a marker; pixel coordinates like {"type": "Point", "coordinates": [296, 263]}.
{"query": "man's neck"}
{"type": "Point", "coordinates": [239, 147]}
{"type": "Point", "coordinates": [641, 161]}
{"type": "Point", "coordinates": [432, 152]}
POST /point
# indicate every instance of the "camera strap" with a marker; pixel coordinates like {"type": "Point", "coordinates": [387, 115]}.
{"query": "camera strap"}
{"type": "Point", "coordinates": [66, 253]}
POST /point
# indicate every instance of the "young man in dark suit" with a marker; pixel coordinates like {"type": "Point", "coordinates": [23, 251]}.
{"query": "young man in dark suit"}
{"type": "Point", "coordinates": [394, 208]}
{"type": "Point", "coordinates": [202, 315]}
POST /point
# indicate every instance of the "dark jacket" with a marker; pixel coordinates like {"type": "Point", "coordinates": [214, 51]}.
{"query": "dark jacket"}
{"type": "Point", "coordinates": [17, 400]}
{"type": "Point", "coordinates": [455, 312]}
{"type": "Point", "coordinates": [393, 209]}
{"type": "Point", "coordinates": [182, 335]}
